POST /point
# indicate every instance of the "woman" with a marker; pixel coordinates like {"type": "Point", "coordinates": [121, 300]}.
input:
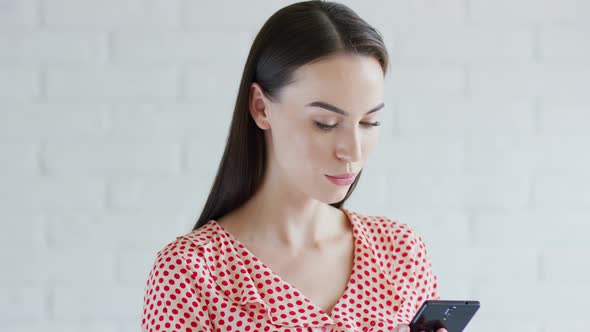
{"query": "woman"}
{"type": "Point", "coordinates": [274, 249]}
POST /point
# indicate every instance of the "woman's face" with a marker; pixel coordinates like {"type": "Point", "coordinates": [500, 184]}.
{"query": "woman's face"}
{"type": "Point", "coordinates": [302, 152]}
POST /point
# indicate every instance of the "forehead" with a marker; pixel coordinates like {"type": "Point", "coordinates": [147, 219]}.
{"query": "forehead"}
{"type": "Point", "coordinates": [350, 81]}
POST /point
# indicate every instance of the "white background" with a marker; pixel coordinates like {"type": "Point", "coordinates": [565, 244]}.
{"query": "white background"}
{"type": "Point", "coordinates": [114, 114]}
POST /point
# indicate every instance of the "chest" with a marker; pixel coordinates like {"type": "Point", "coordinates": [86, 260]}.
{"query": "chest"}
{"type": "Point", "coordinates": [320, 275]}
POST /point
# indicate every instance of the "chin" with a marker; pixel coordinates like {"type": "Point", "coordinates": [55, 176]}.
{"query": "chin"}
{"type": "Point", "coordinates": [336, 196]}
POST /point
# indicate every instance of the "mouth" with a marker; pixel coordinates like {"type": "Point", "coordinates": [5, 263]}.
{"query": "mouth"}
{"type": "Point", "coordinates": [344, 176]}
{"type": "Point", "coordinates": [341, 181]}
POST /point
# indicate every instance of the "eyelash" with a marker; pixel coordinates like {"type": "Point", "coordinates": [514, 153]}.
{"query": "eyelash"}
{"type": "Point", "coordinates": [325, 127]}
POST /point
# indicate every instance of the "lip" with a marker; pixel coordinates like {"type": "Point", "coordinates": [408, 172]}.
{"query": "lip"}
{"type": "Point", "coordinates": [341, 181]}
{"type": "Point", "coordinates": [344, 176]}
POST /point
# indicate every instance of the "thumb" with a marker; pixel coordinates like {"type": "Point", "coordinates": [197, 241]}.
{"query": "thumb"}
{"type": "Point", "coordinates": [402, 328]}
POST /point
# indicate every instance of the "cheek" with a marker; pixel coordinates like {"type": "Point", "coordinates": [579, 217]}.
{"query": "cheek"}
{"type": "Point", "coordinates": [371, 141]}
{"type": "Point", "coordinates": [311, 149]}
{"type": "Point", "coordinates": [295, 145]}
{"type": "Point", "coordinates": [369, 145]}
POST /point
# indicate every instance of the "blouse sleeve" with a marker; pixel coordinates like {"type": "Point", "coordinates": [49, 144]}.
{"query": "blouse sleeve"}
{"type": "Point", "coordinates": [172, 297]}
{"type": "Point", "coordinates": [425, 280]}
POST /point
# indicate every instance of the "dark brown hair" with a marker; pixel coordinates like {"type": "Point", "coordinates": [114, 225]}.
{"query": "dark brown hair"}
{"type": "Point", "coordinates": [293, 36]}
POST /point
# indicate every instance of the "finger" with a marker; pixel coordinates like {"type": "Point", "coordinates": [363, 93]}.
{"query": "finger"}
{"type": "Point", "coordinates": [402, 328]}
{"type": "Point", "coordinates": [442, 330]}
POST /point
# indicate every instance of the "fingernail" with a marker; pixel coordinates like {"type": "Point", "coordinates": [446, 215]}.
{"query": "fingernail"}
{"type": "Point", "coordinates": [404, 329]}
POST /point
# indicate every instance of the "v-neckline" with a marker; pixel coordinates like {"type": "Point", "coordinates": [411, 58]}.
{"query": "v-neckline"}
{"type": "Point", "coordinates": [349, 282]}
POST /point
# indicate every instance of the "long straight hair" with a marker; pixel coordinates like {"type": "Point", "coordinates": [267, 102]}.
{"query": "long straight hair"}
{"type": "Point", "coordinates": [293, 36]}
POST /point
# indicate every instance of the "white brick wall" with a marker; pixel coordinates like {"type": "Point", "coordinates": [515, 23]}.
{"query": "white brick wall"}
{"type": "Point", "coordinates": [113, 116]}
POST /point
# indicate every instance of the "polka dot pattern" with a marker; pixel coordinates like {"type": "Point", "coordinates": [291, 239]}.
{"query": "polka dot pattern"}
{"type": "Point", "coordinates": [208, 281]}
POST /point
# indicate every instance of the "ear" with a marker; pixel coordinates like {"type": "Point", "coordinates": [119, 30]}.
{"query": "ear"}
{"type": "Point", "coordinates": [259, 106]}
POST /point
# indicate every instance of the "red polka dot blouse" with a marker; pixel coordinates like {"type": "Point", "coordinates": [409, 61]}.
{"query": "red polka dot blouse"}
{"type": "Point", "coordinates": [208, 281]}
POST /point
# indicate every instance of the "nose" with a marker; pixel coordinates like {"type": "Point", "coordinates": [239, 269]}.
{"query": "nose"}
{"type": "Point", "coordinates": [349, 146]}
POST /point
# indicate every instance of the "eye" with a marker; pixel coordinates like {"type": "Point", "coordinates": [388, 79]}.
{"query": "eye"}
{"type": "Point", "coordinates": [326, 127]}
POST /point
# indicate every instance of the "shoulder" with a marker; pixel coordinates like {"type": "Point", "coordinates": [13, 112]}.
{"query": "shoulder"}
{"type": "Point", "coordinates": [187, 249]}
{"type": "Point", "coordinates": [193, 240]}
{"type": "Point", "coordinates": [179, 277]}
{"type": "Point", "coordinates": [389, 235]}
{"type": "Point", "coordinates": [378, 226]}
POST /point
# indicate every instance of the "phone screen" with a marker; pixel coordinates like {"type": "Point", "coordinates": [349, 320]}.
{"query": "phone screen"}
{"type": "Point", "coordinates": [451, 315]}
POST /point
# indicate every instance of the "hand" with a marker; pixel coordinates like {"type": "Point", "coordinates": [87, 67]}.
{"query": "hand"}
{"type": "Point", "coordinates": [406, 328]}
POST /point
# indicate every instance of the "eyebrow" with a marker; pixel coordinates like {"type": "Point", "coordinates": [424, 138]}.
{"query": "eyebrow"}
{"type": "Point", "coordinates": [333, 108]}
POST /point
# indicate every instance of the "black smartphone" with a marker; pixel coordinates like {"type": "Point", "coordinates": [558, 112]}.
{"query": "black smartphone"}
{"type": "Point", "coordinates": [436, 314]}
